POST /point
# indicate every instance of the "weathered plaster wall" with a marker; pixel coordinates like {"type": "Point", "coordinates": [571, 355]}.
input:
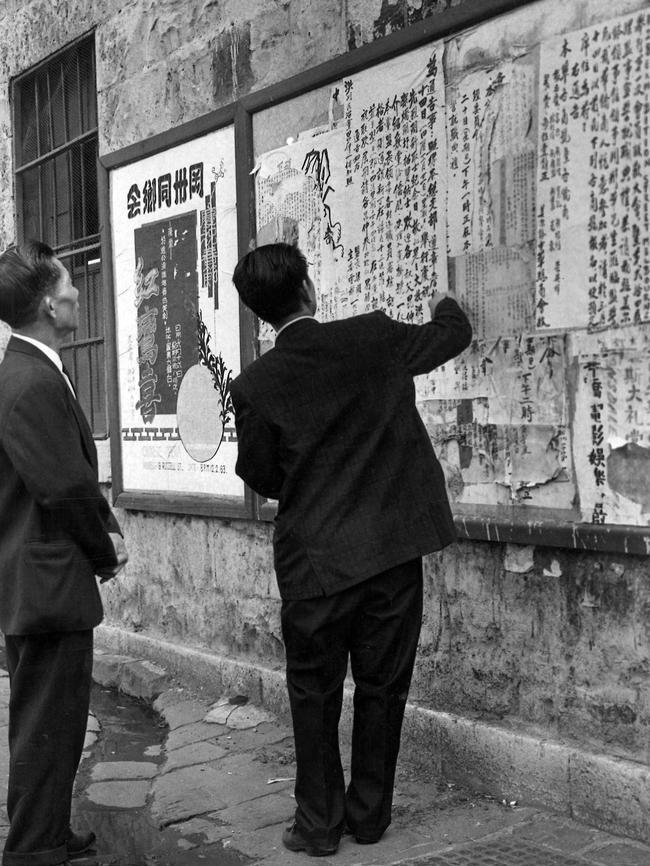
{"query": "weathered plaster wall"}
{"type": "Point", "coordinates": [559, 640]}
{"type": "Point", "coordinates": [550, 638]}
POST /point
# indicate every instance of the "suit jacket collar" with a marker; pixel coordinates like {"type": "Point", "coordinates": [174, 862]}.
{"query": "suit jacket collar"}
{"type": "Point", "coordinates": [33, 351]}
{"type": "Point", "coordinates": [295, 331]}
{"type": "Point", "coordinates": [17, 345]}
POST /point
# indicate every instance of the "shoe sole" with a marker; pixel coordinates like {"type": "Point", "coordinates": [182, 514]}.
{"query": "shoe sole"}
{"type": "Point", "coordinates": [307, 849]}
{"type": "Point", "coordinates": [78, 851]}
{"type": "Point", "coordinates": [311, 852]}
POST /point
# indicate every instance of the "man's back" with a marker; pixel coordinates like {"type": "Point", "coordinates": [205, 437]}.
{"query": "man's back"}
{"type": "Point", "coordinates": [327, 424]}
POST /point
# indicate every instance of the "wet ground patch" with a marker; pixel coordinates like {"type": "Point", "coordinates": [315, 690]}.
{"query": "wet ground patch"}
{"type": "Point", "coordinates": [112, 792]}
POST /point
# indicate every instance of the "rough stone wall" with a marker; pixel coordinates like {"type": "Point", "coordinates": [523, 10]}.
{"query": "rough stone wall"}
{"type": "Point", "coordinates": [551, 638]}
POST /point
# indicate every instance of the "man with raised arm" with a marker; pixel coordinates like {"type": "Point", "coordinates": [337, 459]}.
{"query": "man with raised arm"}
{"type": "Point", "coordinates": [327, 425]}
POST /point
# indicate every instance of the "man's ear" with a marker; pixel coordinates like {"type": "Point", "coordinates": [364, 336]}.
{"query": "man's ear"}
{"type": "Point", "coordinates": [47, 306]}
{"type": "Point", "coordinates": [308, 292]}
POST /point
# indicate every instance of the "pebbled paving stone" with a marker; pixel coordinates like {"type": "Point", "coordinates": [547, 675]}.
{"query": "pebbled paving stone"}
{"type": "Point", "coordinates": [114, 770]}
{"type": "Point", "coordinates": [185, 712]}
{"type": "Point", "coordinates": [186, 793]}
{"type": "Point", "coordinates": [268, 810]}
{"type": "Point", "coordinates": [203, 752]}
{"type": "Point", "coordinates": [195, 732]}
{"type": "Point", "coordinates": [121, 794]}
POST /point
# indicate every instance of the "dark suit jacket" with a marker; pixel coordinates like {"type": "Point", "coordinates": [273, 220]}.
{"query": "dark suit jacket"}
{"type": "Point", "coordinates": [327, 424]}
{"type": "Point", "coordinates": [54, 521]}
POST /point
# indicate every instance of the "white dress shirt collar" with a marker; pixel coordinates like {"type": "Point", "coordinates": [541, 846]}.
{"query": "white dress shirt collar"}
{"type": "Point", "coordinates": [288, 324]}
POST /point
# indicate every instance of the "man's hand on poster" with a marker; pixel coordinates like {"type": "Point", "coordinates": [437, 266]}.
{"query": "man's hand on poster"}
{"type": "Point", "coordinates": [122, 558]}
{"type": "Point", "coordinates": [435, 299]}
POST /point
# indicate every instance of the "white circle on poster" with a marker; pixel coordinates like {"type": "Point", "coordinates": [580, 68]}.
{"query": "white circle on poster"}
{"type": "Point", "coordinates": [198, 414]}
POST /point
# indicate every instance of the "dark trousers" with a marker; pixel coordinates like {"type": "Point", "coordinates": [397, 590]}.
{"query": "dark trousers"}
{"type": "Point", "coordinates": [50, 677]}
{"type": "Point", "coordinates": [377, 625]}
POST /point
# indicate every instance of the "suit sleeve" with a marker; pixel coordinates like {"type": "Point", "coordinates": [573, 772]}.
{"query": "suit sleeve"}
{"type": "Point", "coordinates": [258, 463]}
{"type": "Point", "coordinates": [41, 438]}
{"type": "Point", "coordinates": [425, 347]}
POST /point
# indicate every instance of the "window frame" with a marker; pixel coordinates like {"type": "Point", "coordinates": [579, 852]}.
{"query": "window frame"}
{"type": "Point", "coordinates": [95, 397]}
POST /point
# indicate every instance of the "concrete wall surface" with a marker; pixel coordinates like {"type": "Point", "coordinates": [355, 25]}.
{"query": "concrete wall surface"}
{"type": "Point", "coordinates": [555, 641]}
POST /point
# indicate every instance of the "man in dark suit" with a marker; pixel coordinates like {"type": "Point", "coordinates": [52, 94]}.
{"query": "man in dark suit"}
{"type": "Point", "coordinates": [56, 533]}
{"type": "Point", "coordinates": [327, 425]}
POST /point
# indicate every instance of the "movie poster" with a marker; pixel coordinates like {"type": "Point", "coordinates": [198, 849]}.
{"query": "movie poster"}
{"type": "Point", "coordinates": [177, 317]}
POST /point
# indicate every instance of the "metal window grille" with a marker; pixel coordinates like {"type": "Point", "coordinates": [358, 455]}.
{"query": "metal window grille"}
{"type": "Point", "coordinates": [55, 134]}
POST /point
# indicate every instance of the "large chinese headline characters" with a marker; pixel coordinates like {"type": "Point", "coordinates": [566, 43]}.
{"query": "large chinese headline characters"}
{"type": "Point", "coordinates": [158, 192]}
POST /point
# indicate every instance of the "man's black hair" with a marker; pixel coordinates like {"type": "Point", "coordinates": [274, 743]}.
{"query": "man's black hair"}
{"type": "Point", "coordinates": [27, 273]}
{"type": "Point", "coordinates": [269, 281]}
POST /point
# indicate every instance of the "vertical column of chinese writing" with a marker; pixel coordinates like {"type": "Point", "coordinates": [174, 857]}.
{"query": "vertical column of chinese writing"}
{"type": "Point", "coordinates": [482, 212]}
{"type": "Point", "coordinates": [399, 112]}
{"type": "Point", "coordinates": [527, 380]}
{"type": "Point", "coordinates": [429, 158]}
{"type": "Point", "coordinates": [543, 230]}
{"type": "Point", "coordinates": [465, 169]}
{"type": "Point", "coordinates": [164, 305]}
{"type": "Point", "coordinates": [353, 171]}
{"type": "Point", "coordinates": [352, 161]}
{"type": "Point", "coordinates": [349, 149]}
{"type": "Point", "coordinates": [642, 292]}
{"type": "Point", "coordinates": [423, 229]}
{"type": "Point", "coordinates": [597, 454]}
{"type": "Point", "coordinates": [381, 156]}
{"type": "Point", "coordinates": [636, 58]}
{"type": "Point", "coordinates": [176, 350]}
{"type": "Point", "coordinates": [411, 218]}
{"type": "Point", "coordinates": [644, 433]}
{"type": "Point", "coordinates": [388, 201]}
{"type": "Point", "coordinates": [559, 162]}
{"type": "Point", "coordinates": [598, 91]}
{"type": "Point", "coordinates": [453, 145]}
{"type": "Point", "coordinates": [368, 131]}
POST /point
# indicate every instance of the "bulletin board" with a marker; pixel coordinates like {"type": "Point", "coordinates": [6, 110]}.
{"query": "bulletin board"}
{"type": "Point", "coordinates": [497, 150]}
{"type": "Point", "coordinates": [172, 211]}
{"type": "Point", "coordinates": [503, 158]}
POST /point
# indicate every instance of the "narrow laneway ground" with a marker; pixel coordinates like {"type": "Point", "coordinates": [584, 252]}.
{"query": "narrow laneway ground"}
{"type": "Point", "coordinates": [195, 780]}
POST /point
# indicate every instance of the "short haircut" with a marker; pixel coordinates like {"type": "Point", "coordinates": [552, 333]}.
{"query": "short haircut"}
{"type": "Point", "coordinates": [27, 273]}
{"type": "Point", "coordinates": [269, 280]}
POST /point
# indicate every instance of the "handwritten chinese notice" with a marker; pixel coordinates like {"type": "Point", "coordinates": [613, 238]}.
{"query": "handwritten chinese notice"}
{"type": "Point", "coordinates": [491, 159]}
{"type": "Point", "coordinates": [612, 426]}
{"type": "Point", "coordinates": [516, 174]}
{"type": "Point", "coordinates": [395, 151]}
{"type": "Point", "coordinates": [593, 177]}
{"type": "Point", "coordinates": [300, 194]}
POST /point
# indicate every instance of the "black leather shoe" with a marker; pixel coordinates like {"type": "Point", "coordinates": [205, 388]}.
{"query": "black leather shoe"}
{"type": "Point", "coordinates": [295, 841]}
{"type": "Point", "coordinates": [363, 841]}
{"type": "Point", "coordinates": [79, 843]}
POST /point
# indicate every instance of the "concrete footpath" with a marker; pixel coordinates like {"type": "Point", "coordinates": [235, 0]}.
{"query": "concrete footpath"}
{"type": "Point", "coordinates": [226, 781]}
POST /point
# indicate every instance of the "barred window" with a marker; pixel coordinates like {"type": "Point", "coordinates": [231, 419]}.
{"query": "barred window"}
{"type": "Point", "coordinates": [55, 134]}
